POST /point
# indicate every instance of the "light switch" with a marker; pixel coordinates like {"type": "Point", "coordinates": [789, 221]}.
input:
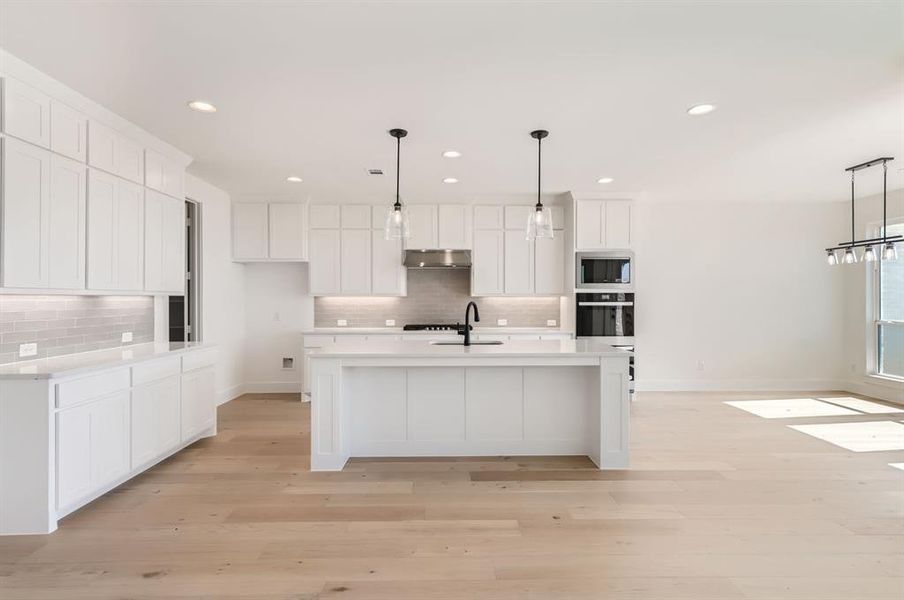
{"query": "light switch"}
{"type": "Point", "coordinates": [502, 322]}
{"type": "Point", "coordinates": [28, 350]}
{"type": "Point", "coordinates": [341, 322]}
{"type": "Point", "coordinates": [551, 322]}
{"type": "Point", "coordinates": [126, 336]}
{"type": "Point", "coordinates": [390, 322]}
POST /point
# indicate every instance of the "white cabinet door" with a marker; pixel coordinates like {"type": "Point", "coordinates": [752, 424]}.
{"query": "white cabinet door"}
{"type": "Point", "coordinates": [128, 159]}
{"type": "Point", "coordinates": [589, 234]}
{"type": "Point", "coordinates": [249, 231]}
{"type": "Point", "coordinates": [68, 131]}
{"type": "Point", "coordinates": [287, 231]}
{"type": "Point", "coordinates": [422, 220]}
{"type": "Point", "coordinates": [101, 231]}
{"type": "Point", "coordinates": [113, 152]}
{"type": "Point", "coordinates": [356, 216]}
{"type": "Point", "coordinates": [164, 243]}
{"type": "Point", "coordinates": [454, 226]}
{"type": "Point", "coordinates": [488, 217]}
{"type": "Point", "coordinates": [156, 409]}
{"type": "Point", "coordinates": [26, 198]}
{"type": "Point", "coordinates": [324, 216]}
{"type": "Point", "coordinates": [388, 273]}
{"type": "Point", "coordinates": [163, 174]}
{"type": "Point", "coordinates": [67, 215]}
{"type": "Point", "coordinates": [549, 265]}
{"type": "Point", "coordinates": [323, 269]}
{"type": "Point", "coordinates": [354, 261]}
{"type": "Point", "coordinates": [199, 409]}
{"type": "Point", "coordinates": [519, 263]}
{"type": "Point", "coordinates": [617, 221]}
{"type": "Point", "coordinates": [93, 447]}
{"type": "Point", "coordinates": [26, 113]}
{"type": "Point", "coordinates": [516, 217]}
{"type": "Point", "coordinates": [129, 236]}
{"type": "Point", "coordinates": [487, 262]}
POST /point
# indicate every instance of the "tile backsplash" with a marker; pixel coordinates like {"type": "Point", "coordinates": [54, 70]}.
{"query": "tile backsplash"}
{"type": "Point", "coordinates": [67, 324]}
{"type": "Point", "coordinates": [435, 296]}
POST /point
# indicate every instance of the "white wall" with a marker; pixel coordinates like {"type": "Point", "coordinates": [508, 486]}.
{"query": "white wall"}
{"type": "Point", "coordinates": [277, 308]}
{"type": "Point", "coordinates": [858, 340]}
{"type": "Point", "coordinates": [742, 288]}
{"type": "Point", "coordinates": [223, 287]}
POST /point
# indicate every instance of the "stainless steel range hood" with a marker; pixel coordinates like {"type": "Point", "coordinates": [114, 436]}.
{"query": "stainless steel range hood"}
{"type": "Point", "coordinates": [438, 259]}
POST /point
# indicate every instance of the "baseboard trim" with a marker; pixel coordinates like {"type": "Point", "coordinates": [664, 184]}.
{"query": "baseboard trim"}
{"type": "Point", "coordinates": [231, 393]}
{"type": "Point", "coordinates": [740, 385]}
{"type": "Point", "coordinates": [888, 391]}
{"type": "Point", "coordinates": [272, 387]}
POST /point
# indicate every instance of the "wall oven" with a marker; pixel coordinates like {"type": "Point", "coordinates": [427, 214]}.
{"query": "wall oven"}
{"type": "Point", "coordinates": [603, 271]}
{"type": "Point", "coordinates": [608, 317]}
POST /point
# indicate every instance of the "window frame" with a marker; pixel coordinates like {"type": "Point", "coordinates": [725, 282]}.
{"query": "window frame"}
{"type": "Point", "coordinates": [874, 309]}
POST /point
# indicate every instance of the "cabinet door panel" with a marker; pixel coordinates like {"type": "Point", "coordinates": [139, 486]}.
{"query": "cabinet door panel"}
{"type": "Point", "coordinates": [101, 230]}
{"type": "Point", "coordinates": [356, 216]}
{"type": "Point", "coordinates": [101, 147]}
{"type": "Point", "coordinates": [174, 266]}
{"type": "Point", "coordinates": [454, 226]}
{"type": "Point", "coordinates": [287, 231]}
{"type": "Point", "coordinates": [422, 220]}
{"type": "Point", "coordinates": [519, 267]}
{"type": "Point", "coordinates": [618, 224]}
{"type": "Point", "coordinates": [355, 261]}
{"type": "Point", "coordinates": [129, 236]}
{"type": "Point", "coordinates": [516, 217]}
{"type": "Point", "coordinates": [163, 174]}
{"type": "Point", "coordinates": [110, 435]}
{"type": "Point", "coordinates": [589, 224]}
{"type": "Point", "coordinates": [323, 270]}
{"type": "Point", "coordinates": [67, 215]}
{"type": "Point", "coordinates": [73, 455]}
{"type": "Point", "coordinates": [324, 216]}
{"type": "Point", "coordinates": [549, 261]}
{"type": "Point", "coordinates": [128, 159]}
{"type": "Point", "coordinates": [488, 217]}
{"type": "Point", "coordinates": [26, 113]}
{"type": "Point", "coordinates": [68, 131]}
{"type": "Point", "coordinates": [199, 411]}
{"type": "Point", "coordinates": [155, 419]}
{"type": "Point", "coordinates": [388, 273]}
{"type": "Point", "coordinates": [249, 231]}
{"type": "Point", "coordinates": [26, 197]}
{"type": "Point", "coordinates": [487, 263]}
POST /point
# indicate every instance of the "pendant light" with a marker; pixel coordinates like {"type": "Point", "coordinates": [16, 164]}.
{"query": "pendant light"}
{"type": "Point", "coordinates": [397, 225]}
{"type": "Point", "coordinates": [886, 242]}
{"type": "Point", "coordinates": [539, 221]}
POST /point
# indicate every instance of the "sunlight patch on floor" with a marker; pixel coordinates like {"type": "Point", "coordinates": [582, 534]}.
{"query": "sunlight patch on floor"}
{"type": "Point", "coordinates": [790, 407]}
{"type": "Point", "coordinates": [864, 406]}
{"type": "Point", "coordinates": [870, 436]}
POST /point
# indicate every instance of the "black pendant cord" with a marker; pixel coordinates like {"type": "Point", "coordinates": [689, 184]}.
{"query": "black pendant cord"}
{"type": "Point", "coordinates": [884, 200]}
{"type": "Point", "coordinates": [852, 208]}
{"type": "Point", "coordinates": [398, 163]}
{"type": "Point", "coordinates": [539, 171]}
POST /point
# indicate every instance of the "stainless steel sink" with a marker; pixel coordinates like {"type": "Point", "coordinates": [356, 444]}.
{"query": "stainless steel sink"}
{"type": "Point", "coordinates": [483, 343]}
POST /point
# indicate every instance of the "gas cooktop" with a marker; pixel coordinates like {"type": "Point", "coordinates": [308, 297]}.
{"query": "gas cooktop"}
{"type": "Point", "coordinates": [432, 327]}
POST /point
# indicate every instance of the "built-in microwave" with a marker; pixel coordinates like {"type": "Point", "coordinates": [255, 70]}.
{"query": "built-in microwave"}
{"type": "Point", "coordinates": [603, 271]}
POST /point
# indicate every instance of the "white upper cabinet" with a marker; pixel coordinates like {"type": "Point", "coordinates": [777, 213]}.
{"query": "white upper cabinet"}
{"type": "Point", "coordinates": [26, 199]}
{"type": "Point", "coordinates": [164, 243]}
{"type": "Point", "coordinates": [250, 223]}
{"type": "Point", "coordinates": [356, 216]}
{"type": "Point", "coordinates": [549, 265]}
{"type": "Point", "coordinates": [454, 226]}
{"type": "Point", "coordinates": [67, 214]}
{"type": "Point", "coordinates": [422, 223]}
{"type": "Point", "coordinates": [354, 261]}
{"type": "Point", "coordinates": [113, 152]}
{"type": "Point", "coordinates": [68, 131]}
{"type": "Point", "coordinates": [487, 262]}
{"type": "Point", "coordinates": [26, 113]}
{"type": "Point", "coordinates": [488, 217]}
{"type": "Point", "coordinates": [323, 271]}
{"type": "Point", "coordinates": [519, 264]}
{"type": "Point", "coordinates": [287, 232]}
{"type": "Point", "coordinates": [602, 224]}
{"type": "Point", "coordinates": [388, 275]}
{"type": "Point", "coordinates": [324, 216]}
{"type": "Point", "coordinates": [115, 233]}
{"type": "Point", "coordinates": [163, 174]}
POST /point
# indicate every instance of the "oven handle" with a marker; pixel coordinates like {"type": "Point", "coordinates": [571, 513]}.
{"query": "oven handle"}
{"type": "Point", "coordinates": [605, 304]}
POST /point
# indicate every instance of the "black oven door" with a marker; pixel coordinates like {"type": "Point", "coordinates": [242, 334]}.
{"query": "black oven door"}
{"type": "Point", "coordinates": [605, 315]}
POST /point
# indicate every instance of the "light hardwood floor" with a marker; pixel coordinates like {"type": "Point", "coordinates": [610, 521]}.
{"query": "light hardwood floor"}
{"type": "Point", "coordinates": [719, 504]}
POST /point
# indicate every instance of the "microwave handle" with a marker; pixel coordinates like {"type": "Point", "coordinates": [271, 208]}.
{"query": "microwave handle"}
{"type": "Point", "coordinates": [605, 304]}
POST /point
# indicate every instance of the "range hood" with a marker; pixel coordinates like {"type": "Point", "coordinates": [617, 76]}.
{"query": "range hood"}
{"type": "Point", "coordinates": [438, 259]}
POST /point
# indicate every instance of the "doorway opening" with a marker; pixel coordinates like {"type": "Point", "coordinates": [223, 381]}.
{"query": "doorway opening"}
{"type": "Point", "coordinates": [184, 311]}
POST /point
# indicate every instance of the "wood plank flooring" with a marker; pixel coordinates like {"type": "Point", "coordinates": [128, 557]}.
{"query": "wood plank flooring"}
{"type": "Point", "coordinates": [720, 504]}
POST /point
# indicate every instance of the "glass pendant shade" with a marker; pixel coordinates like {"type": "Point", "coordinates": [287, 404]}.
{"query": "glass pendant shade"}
{"type": "Point", "coordinates": [832, 258]}
{"type": "Point", "coordinates": [539, 223]}
{"type": "Point", "coordinates": [397, 226]}
{"type": "Point", "coordinates": [890, 252]}
{"type": "Point", "coordinates": [849, 257]}
{"type": "Point", "coordinates": [869, 255]}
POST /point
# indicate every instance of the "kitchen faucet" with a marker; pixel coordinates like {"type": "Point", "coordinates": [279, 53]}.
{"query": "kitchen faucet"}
{"type": "Point", "coordinates": [467, 330]}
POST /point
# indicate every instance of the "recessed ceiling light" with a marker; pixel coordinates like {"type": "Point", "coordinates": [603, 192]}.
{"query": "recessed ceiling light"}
{"type": "Point", "coordinates": [451, 154]}
{"type": "Point", "coordinates": [202, 106]}
{"type": "Point", "coordinates": [701, 109]}
{"type": "Point", "coordinates": [450, 180]}
{"type": "Point", "coordinates": [605, 180]}
{"type": "Point", "coordinates": [294, 179]}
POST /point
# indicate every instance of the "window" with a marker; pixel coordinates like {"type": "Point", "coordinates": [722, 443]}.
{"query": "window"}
{"type": "Point", "coordinates": [889, 320]}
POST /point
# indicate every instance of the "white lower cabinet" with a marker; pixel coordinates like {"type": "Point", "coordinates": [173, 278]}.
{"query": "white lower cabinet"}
{"type": "Point", "coordinates": [92, 447]}
{"type": "Point", "coordinates": [199, 408]}
{"type": "Point", "coordinates": [156, 409]}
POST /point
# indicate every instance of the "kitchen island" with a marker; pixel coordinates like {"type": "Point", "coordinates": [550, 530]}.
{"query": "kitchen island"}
{"type": "Point", "coordinates": [518, 398]}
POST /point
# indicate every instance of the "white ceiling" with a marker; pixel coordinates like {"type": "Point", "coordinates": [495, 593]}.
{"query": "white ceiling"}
{"type": "Point", "coordinates": [803, 90]}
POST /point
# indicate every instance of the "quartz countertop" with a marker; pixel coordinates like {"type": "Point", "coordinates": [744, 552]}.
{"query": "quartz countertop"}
{"type": "Point", "coordinates": [74, 364]}
{"type": "Point", "coordinates": [512, 349]}
{"type": "Point", "coordinates": [400, 331]}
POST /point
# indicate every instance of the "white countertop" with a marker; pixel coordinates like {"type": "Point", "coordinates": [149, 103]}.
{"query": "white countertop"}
{"type": "Point", "coordinates": [400, 331]}
{"type": "Point", "coordinates": [74, 364]}
{"type": "Point", "coordinates": [512, 349]}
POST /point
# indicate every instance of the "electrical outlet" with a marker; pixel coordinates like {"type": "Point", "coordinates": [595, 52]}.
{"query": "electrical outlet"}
{"type": "Point", "coordinates": [551, 322]}
{"type": "Point", "coordinates": [700, 365]}
{"type": "Point", "coordinates": [276, 316]}
{"type": "Point", "coordinates": [341, 322]}
{"type": "Point", "coordinates": [126, 336]}
{"type": "Point", "coordinates": [390, 322]}
{"type": "Point", "coordinates": [502, 322]}
{"type": "Point", "coordinates": [28, 350]}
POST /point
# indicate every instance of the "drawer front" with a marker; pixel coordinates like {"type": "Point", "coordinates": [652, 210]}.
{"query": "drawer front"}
{"type": "Point", "coordinates": [199, 359]}
{"type": "Point", "coordinates": [74, 392]}
{"type": "Point", "coordinates": [154, 370]}
{"type": "Point", "coordinates": [317, 341]}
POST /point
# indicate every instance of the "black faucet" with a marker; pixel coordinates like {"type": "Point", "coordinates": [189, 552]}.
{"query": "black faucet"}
{"type": "Point", "coordinates": [467, 330]}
